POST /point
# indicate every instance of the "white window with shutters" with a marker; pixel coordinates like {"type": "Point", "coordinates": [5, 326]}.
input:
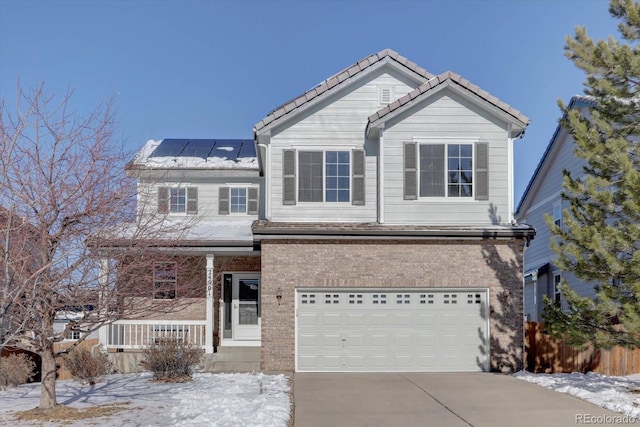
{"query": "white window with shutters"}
{"type": "Point", "coordinates": [238, 200]}
{"type": "Point", "coordinates": [178, 199]}
{"type": "Point", "coordinates": [445, 169]}
{"type": "Point", "coordinates": [323, 176]}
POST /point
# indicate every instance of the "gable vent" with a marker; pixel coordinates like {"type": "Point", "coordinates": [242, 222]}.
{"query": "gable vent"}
{"type": "Point", "coordinates": [386, 95]}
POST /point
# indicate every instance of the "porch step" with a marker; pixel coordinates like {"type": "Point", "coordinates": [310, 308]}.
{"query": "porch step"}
{"type": "Point", "coordinates": [232, 359]}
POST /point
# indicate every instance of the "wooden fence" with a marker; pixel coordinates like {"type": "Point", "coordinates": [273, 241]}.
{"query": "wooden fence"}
{"type": "Point", "coordinates": [63, 373]}
{"type": "Point", "coordinates": [548, 355]}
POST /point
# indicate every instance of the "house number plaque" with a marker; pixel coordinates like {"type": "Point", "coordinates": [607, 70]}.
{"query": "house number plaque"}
{"type": "Point", "coordinates": [209, 283]}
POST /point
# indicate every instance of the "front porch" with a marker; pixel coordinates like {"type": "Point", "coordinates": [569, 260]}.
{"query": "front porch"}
{"type": "Point", "coordinates": [224, 320]}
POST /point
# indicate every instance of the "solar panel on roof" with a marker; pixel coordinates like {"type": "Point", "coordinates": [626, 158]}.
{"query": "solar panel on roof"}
{"type": "Point", "coordinates": [169, 148]}
{"type": "Point", "coordinates": [247, 149]}
{"type": "Point", "coordinates": [227, 148]}
{"type": "Point", "coordinates": [199, 148]}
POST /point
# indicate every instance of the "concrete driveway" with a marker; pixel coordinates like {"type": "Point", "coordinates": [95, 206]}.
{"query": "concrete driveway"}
{"type": "Point", "coordinates": [421, 399]}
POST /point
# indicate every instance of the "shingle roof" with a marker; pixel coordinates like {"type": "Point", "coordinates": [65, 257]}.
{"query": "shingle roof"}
{"type": "Point", "coordinates": [434, 82]}
{"type": "Point", "coordinates": [337, 79]}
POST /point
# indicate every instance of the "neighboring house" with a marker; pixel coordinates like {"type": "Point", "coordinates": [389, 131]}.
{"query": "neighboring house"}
{"type": "Point", "coordinates": [542, 196]}
{"type": "Point", "coordinates": [367, 227]}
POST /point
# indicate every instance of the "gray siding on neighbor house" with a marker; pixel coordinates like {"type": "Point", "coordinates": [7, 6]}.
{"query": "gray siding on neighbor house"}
{"type": "Point", "coordinates": [336, 123]}
{"type": "Point", "coordinates": [446, 117]}
{"type": "Point", "coordinates": [543, 195]}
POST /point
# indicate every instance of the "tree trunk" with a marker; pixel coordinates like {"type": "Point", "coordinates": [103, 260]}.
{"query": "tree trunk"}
{"type": "Point", "coordinates": [48, 384]}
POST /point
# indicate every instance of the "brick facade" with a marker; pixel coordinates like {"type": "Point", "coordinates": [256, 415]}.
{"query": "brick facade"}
{"type": "Point", "coordinates": [492, 264]}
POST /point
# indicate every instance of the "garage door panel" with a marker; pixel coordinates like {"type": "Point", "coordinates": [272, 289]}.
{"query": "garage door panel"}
{"type": "Point", "coordinates": [331, 319]}
{"type": "Point", "coordinates": [414, 330]}
{"type": "Point", "coordinates": [355, 319]}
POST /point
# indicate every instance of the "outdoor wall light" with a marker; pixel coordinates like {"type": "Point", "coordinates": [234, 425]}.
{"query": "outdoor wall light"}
{"type": "Point", "coordinates": [279, 295]}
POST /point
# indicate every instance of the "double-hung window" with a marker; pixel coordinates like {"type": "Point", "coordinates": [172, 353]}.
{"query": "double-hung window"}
{"type": "Point", "coordinates": [238, 200]}
{"type": "Point", "coordinates": [177, 200]}
{"type": "Point", "coordinates": [446, 170]}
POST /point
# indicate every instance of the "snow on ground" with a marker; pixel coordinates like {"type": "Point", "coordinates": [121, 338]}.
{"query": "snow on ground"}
{"type": "Point", "coordinates": [208, 400]}
{"type": "Point", "coordinates": [619, 394]}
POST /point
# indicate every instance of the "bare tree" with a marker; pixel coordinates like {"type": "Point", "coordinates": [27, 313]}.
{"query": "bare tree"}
{"type": "Point", "coordinates": [68, 221]}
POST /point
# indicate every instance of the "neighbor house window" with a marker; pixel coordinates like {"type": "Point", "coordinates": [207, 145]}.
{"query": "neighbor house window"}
{"type": "Point", "coordinates": [178, 200]}
{"type": "Point", "coordinates": [557, 294]}
{"type": "Point", "coordinates": [165, 280]}
{"type": "Point", "coordinates": [446, 170]}
{"type": "Point", "coordinates": [238, 200]}
{"type": "Point", "coordinates": [557, 215]}
{"type": "Point", "coordinates": [324, 176]}
{"type": "Point", "coordinates": [74, 335]}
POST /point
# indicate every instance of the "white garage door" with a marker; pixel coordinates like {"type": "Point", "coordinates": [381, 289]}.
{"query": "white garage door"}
{"type": "Point", "coordinates": [417, 330]}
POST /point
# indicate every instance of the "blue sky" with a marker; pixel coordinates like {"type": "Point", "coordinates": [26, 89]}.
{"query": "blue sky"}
{"type": "Point", "coordinates": [212, 69]}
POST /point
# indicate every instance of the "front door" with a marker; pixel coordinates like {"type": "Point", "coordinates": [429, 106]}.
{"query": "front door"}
{"type": "Point", "coordinates": [246, 307]}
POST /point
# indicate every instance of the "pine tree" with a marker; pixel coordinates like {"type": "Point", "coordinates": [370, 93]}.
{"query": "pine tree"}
{"type": "Point", "coordinates": [600, 238]}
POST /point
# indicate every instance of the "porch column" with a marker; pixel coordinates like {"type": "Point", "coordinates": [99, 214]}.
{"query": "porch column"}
{"type": "Point", "coordinates": [210, 317]}
{"type": "Point", "coordinates": [103, 281]}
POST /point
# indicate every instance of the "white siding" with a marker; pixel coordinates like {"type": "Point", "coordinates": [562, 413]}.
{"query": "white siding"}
{"type": "Point", "coordinates": [446, 115]}
{"type": "Point", "coordinates": [207, 195]}
{"type": "Point", "coordinates": [339, 124]}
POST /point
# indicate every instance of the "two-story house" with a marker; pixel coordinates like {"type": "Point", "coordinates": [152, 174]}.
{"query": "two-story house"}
{"type": "Point", "coordinates": [542, 197]}
{"type": "Point", "coordinates": [367, 227]}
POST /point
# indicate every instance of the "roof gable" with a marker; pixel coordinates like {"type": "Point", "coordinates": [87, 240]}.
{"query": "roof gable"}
{"type": "Point", "coordinates": [436, 83]}
{"type": "Point", "coordinates": [559, 137]}
{"type": "Point", "coordinates": [340, 80]}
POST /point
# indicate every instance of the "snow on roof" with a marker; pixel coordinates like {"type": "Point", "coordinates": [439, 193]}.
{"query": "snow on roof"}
{"type": "Point", "coordinates": [197, 154]}
{"type": "Point", "coordinates": [227, 232]}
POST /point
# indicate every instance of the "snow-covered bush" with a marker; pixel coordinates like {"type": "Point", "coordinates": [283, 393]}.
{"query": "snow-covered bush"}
{"type": "Point", "coordinates": [85, 366]}
{"type": "Point", "coordinates": [171, 360]}
{"type": "Point", "coordinates": [15, 369]}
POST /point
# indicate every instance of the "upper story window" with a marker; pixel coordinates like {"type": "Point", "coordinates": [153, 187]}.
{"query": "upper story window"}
{"type": "Point", "coordinates": [178, 200]}
{"type": "Point", "coordinates": [446, 170]}
{"type": "Point", "coordinates": [238, 200]}
{"type": "Point", "coordinates": [323, 176]}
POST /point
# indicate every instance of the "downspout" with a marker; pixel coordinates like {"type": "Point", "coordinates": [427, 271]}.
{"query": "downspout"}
{"type": "Point", "coordinates": [510, 172]}
{"type": "Point", "coordinates": [524, 321]}
{"type": "Point", "coordinates": [267, 179]}
{"type": "Point", "coordinates": [381, 176]}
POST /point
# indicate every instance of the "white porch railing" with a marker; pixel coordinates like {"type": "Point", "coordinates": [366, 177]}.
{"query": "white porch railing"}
{"type": "Point", "coordinates": [136, 334]}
